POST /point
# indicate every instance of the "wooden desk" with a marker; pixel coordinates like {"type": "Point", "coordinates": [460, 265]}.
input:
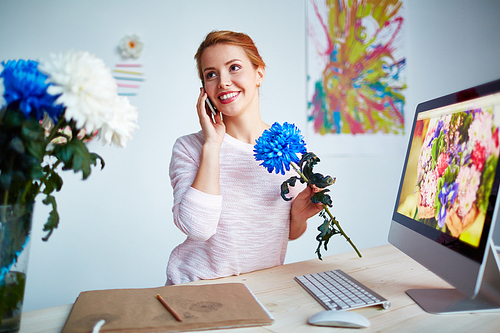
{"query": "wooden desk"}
{"type": "Point", "coordinates": [385, 269]}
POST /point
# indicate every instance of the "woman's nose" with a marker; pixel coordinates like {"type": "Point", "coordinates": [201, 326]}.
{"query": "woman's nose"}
{"type": "Point", "coordinates": [224, 81]}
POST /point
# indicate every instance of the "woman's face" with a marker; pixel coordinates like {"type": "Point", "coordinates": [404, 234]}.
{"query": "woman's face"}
{"type": "Point", "coordinates": [231, 81]}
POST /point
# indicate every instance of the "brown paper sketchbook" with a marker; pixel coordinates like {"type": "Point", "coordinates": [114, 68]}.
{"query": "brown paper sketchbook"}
{"type": "Point", "coordinates": [201, 307]}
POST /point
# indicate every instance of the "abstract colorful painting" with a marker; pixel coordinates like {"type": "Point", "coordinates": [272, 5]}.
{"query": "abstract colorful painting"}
{"type": "Point", "coordinates": [356, 67]}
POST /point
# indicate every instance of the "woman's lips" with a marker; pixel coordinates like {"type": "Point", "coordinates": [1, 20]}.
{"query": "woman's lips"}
{"type": "Point", "coordinates": [228, 97]}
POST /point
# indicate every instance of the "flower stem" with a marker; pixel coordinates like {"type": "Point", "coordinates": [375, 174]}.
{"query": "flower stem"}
{"type": "Point", "coordinates": [334, 221]}
{"type": "Point", "coordinates": [10, 169]}
{"type": "Point", "coordinates": [325, 207]}
{"type": "Point", "coordinates": [6, 197]}
{"type": "Point", "coordinates": [4, 207]}
{"type": "Point", "coordinates": [296, 167]}
{"type": "Point", "coordinates": [53, 132]}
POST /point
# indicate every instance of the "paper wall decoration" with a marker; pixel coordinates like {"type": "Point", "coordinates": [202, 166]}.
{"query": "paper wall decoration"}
{"type": "Point", "coordinates": [128, 78]}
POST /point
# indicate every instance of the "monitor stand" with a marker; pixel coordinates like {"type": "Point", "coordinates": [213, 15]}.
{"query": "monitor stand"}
{"type": "Point", "coordinates": [451, 301]}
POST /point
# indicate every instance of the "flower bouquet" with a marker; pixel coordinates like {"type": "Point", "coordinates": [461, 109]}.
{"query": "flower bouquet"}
{"type": "Point", "coordinates": [456, 168]}
{"type": "Point", "coordinates": [277, 148]}
{"type": "Point", "coordinates": [48, 112]}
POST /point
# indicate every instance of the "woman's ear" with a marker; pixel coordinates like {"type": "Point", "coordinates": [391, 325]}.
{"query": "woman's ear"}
{"type": "Point", "coordinates": [261, 74]}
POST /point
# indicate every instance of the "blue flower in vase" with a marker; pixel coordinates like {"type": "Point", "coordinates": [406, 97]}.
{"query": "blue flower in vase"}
{"type": "Point", "coordinates": [279, 146]}
{"type": "Point", "coordinates": [25, 89]}
{"type": "Point", "coordinates": [447, 197]}
{"type": "Point", "coordinates": [437, 132]}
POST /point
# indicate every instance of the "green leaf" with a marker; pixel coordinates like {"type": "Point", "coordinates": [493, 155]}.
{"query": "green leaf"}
{"type": "Point", "coordinates": [322, 197]}
{"type": "Point", "coordinates": [17, 145]}
{"type": "Point", "coordinates": [17, 231]}
{"type": "Point", "coordinates": [34, 137]}
{"type": "Point", "coordinates": [52, 182]}
{"type": "Point", "coordinates": [464, 124]}
{"type": "Point", "coordinates": [11, 294]}
{"type": "Point", "coordinates": [6, 179]}
{"type": "Point", "coordinates": [435, 150]}
{"type": "Point", "coordinates": [13, 118]}
{"type": "Point", "coordinates": [487, 178]}
{"type": "Point", "coordinates": [53, 220]}
{"type": "Point", "coordinates": [321, 181]}
{"type": "Point", "coordinates": [307, 163]}
{"type": "Point", "coordinates": [63, 153]}
{"type": "Point", "coordinates": [30, 192]}
{"type": "Point", "coordinates": [75, 156]}
{"type": "Point", "coordinates": [32, 131]}
{"type": "Point", "coordinates": [450, 174]}
{"type": "Point", "coordinates": [96, 157]}
{"type": "Point", "coordinates": [437, 203]}
{"type": "Point", "coordinates": [37, 149]}
{"type": "Point", "coordinates": [284, 187]}
{"type": "Point", "coordinates": [37, 172]}
{"type": "Point", "coordinates": [327, 230]}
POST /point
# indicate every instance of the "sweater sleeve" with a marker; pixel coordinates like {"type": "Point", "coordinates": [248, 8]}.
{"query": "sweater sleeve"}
{"type": "Point", "coordinates": [195, 213]}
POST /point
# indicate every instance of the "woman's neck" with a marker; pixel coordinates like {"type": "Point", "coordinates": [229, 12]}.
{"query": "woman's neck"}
{"type": "Point", "coordinates": [244, 128]}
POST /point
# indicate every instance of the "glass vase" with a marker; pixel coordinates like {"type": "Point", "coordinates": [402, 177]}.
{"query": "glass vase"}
{"type": "Point", "coordinates": [15, 228]}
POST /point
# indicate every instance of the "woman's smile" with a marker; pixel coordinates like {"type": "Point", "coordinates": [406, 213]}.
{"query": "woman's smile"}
{"type": "Point", "coordinates": [228, 97]}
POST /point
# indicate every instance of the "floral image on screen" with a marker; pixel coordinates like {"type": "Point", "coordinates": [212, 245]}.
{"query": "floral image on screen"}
{"type": "Point", "coordinates": [356, 67]}
{"type": "Point", "coordinates": [456, 166]}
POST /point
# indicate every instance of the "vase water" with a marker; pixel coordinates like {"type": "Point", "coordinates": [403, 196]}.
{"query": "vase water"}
{"type": "Point", "coordinates": [15, 229]}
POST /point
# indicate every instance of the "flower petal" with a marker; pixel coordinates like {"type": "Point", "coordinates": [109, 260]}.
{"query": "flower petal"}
{"type": "Point", "coordinates": [279, 146]}
{"type": "Point", "coordinates": [24, 84]}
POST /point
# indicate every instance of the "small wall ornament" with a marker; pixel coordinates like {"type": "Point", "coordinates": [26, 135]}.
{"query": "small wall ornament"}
{"type": "Point", "coordinates": [130, 47]}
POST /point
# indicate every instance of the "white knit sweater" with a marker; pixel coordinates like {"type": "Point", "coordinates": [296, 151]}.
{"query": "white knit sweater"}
{"type": "Point", "coordinates": [243, 229]}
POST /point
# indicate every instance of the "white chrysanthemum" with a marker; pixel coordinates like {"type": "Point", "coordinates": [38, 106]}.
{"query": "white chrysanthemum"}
{"type": "Point", "coordinates": [119, 128]}
{"type": "Point", "coordinates": [130, 46]}
{"type": "Point", "coordinates": [87, 88]}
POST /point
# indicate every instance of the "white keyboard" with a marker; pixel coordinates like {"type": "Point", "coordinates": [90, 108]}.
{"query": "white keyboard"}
{"type": "Point", "coordinates": [336, 290]}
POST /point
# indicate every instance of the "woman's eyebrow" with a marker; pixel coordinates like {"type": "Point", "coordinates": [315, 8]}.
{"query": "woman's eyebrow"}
{"type": "Point", "coordinates": [227, 63]}
{"type": "Point", "coordinates": [233, 60]}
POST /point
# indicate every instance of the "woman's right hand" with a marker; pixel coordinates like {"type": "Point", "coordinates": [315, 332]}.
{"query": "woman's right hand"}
{"type": "Point", "coordinates": [207, 176]}
{"type": "Point", "coordinates": [213, 132]}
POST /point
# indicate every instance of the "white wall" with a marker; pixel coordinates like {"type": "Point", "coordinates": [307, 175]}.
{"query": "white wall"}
{"type": "Point", "coordinates": [116, 228]}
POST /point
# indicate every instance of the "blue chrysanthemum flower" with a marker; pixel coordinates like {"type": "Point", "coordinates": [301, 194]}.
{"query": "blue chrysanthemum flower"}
{"type": "Point", "coordinates": [279, 146]}
{"type": "Point", "coordinates": [25, 85]}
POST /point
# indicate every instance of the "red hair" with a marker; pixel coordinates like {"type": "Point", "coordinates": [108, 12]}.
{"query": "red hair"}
{"type": "Point", "coordinates": [232, 38]}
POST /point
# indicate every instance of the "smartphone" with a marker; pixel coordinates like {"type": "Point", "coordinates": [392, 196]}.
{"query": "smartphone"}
{"type": "Point", "coordinates": [209, 103]}
{"type": "Point", "coordinates": [211, 106]}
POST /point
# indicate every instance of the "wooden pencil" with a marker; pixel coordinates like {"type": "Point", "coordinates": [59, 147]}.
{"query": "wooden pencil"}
{"type": "Point", "coordinates": [169, 308]}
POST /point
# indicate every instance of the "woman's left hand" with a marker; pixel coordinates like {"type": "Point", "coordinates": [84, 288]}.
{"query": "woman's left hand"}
{"type": "Point", "coordinates": [302, 209]}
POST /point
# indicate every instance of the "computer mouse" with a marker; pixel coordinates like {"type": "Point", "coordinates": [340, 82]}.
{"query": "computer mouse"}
{"type": "Point", "coordinates": [339, 319]}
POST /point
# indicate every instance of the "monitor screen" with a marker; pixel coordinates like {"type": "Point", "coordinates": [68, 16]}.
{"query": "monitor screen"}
{"type": "Point", "coordinates": [450, 171]}
{"type": "Point", "coordinates": [446, 206]}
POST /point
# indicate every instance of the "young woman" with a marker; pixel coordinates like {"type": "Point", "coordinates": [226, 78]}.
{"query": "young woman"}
{"type": "Point", "coordinates": [229, 207]}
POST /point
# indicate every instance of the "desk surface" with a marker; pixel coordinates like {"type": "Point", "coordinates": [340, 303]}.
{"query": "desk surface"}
{"type": "Point", "coordinates": [385, 269]}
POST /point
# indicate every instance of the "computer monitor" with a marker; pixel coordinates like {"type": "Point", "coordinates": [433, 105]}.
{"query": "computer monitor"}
{"type": "Point", "coordinates": [447, 202]}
